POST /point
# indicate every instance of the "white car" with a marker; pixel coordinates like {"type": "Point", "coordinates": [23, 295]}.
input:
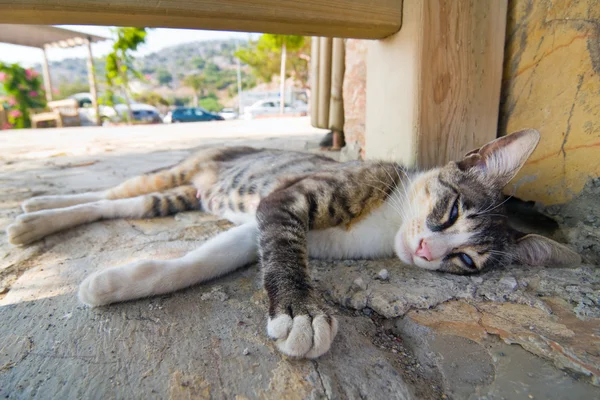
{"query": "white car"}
{"type": "Point", "coordinates": [265, 107]}
{"type": "Point", "coordinates": [228, 114]}
{"type": "Point", "coordinates": [141, 112]}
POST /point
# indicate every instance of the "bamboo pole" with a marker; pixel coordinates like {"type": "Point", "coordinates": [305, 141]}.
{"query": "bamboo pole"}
{"type": "Point", "coordinates": [314, 81]}
{"type": "Point", "coordinates": [336, 107]}
{"type": "Point", "coordinates": [324, 81]}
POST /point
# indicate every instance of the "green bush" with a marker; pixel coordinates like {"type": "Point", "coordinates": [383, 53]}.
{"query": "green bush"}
{"type": "Point", "coordinates": [23, 88]}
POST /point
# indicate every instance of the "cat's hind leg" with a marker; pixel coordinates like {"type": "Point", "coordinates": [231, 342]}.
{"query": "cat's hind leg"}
{"type": "Point", "coordinates": [156, 181]}
{"type": "Point", "coordinates": [224, 253]}
{"type": "Point", "coordinates": [34, 226]}
{"type": "Point", "coordinates": [61, 201]}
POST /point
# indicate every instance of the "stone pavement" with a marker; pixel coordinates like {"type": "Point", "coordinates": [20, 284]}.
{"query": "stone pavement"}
{"type": "Point", "coordinates": [513, 333]}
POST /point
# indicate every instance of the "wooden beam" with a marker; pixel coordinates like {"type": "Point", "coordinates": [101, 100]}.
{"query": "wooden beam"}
{"type": "Point", "coordinates": [372, 19]}
{"type": "Point", "coordinates": [433, 89]}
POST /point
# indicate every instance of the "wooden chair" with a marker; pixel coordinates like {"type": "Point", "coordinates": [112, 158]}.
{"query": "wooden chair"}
{"type": "Point", "coordinates": [3, 117]}
{"type": "Point", "coordinates": [62, 112]}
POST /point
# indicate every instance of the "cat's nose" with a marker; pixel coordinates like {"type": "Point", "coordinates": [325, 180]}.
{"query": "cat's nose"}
{"type": "Point", "coordinates": [423, 250]}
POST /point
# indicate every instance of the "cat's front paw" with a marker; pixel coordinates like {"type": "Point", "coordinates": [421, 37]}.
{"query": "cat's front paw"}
{"type": "Point", "coordinates": [303, 330]}
{"type": "Point", "coordinates": [101, 288]}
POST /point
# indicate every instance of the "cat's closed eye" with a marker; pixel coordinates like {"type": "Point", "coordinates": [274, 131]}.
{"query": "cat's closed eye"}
{"type": "Point", "coordinates": [453, 214]}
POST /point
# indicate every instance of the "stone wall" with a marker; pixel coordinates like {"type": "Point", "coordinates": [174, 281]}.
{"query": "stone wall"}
{"type": "Point", "coordinates": [354, 92]}
{"type": "Point", "coordinates": [552, 83]}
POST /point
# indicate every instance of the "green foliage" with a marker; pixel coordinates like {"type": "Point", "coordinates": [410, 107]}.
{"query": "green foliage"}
{"type": "Point", "coordinates": [151, 98]}
{"type": "Point", "coordinates": [23, 88]}
{"type": "Point", "coordinates": [263, 56]}
{"type": "Point", "coordinates": [164, 77]}
{"type": "Point", "coordinates": [198, 62]}
{"type": "Point", "coordinates": [68, 89]}
{"type": "Point", "coordinates": [119, 63]}
{"type": "Point", "coordinates": [211, 103]}
{"type": "Point", "coordinates": [181, 101]}
{"type": "Point", "coordinates": [292, 42]}
{"type": "Point", "coordinates": [195, 82]}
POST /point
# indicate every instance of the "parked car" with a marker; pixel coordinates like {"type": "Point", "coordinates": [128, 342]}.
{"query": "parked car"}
{"type": "Point", "coordinates": [265, 107]}
{"type": "Point", "coordinates": [228, 113]}
{"type": "Point", "coordinates": [141, 112]}
{"type": "Point", "coordinates": [191, 114]}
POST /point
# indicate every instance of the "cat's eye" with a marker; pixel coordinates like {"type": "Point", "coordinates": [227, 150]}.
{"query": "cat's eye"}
{"type": "Point", "coordinates": [467, 260]}
{"type": "Point", "coordinates": [453, 213]}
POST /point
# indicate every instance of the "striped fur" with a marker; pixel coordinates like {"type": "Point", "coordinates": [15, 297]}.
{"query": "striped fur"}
{"type": "Point", "coordinates": [291, 206]}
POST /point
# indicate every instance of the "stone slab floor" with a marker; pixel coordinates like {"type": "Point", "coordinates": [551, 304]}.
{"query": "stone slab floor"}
{"type": "Point", "coordinates": [514, 333]}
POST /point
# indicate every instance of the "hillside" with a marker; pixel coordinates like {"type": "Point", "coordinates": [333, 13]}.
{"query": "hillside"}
{"type": "Point", "coordinates": [166, 67]}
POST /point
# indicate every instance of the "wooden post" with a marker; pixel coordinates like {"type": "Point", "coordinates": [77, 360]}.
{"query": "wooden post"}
{"type": "Point", "coordinates": [92, 81]}
{"type": "Point", "coordinates": [433, 89]}
{"type": "Point", "coordinates": [324, 81]}
{"type": "Point", "coordinates": [47, 80]}
{"type": "Point", "coordinates": [314, 81]}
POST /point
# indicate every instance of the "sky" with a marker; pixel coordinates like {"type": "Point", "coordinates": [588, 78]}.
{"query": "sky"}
{"type": "Point", "coordinates": [157, 39]}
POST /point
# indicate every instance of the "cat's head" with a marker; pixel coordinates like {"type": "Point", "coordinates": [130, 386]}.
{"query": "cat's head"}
{"type": "Point", "coordinates": [457, 221]}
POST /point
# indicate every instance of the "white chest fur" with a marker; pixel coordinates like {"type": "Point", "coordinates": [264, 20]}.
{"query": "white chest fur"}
{"type": "Point", "coordinates": [372, 237]}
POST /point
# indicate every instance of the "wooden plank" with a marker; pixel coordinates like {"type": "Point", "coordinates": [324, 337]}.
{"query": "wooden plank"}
{"type": "Point", "coordinates": [372, 19]}
{"type": "Point", "coordinates": [552, 83]}
{"type": "Point", "coordinates": [441, 91]}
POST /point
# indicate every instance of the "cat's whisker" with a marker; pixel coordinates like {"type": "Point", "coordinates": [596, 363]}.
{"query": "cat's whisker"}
{"type": "Point", "coordinates": [410, 185]}
{"type": "Point", "coordinates": [397, 202]}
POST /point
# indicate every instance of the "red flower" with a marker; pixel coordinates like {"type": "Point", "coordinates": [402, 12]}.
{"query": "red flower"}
{"type": "Point", "coordinates": [3, 76]}
{"type": "Point", "coordinates": [12, 101]}
{"type": "Point", "coordinates": [6, 126]}
{"type": "Point", "coordinates": [30, 74]}
{"type": "Point", "coordinates": [33, 93]}
{"type": "Point", "coordinates": [15, 113]}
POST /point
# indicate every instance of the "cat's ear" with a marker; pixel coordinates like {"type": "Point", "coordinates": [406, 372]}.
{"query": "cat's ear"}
{"type": "Point", "coordinates": [501, 159]}
{"type": "Point", "coordinates": [539, 251]}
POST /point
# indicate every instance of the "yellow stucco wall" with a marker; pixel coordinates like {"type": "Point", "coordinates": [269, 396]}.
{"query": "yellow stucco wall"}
{"type": "Point", "coordinates": [552, 83]}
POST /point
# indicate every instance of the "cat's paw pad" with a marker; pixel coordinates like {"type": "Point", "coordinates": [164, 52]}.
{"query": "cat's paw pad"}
{"type": "Point", "coordinates": [27, 228]}
{"type": "Point", "coordinates": [99, 289]}
{"type": "Point", "coordinates": [303, 335]}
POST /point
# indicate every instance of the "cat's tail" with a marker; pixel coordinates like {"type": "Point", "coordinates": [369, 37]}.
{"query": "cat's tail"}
{"type": "Point", "coordinates": [222, 254]}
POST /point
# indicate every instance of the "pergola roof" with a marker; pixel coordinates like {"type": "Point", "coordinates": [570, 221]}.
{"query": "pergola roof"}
{"type": "Point", "coordinates": [44, 36]}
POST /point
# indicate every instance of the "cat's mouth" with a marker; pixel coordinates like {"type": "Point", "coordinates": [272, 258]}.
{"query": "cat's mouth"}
{"type": "Point", "coordinates": [402, 248]}
{"type": "Point", "coordinates": [408, 256]}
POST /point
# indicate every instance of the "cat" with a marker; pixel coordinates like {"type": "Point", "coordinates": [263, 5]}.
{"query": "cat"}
{"type": "Point", "coordinates": [288, 206]}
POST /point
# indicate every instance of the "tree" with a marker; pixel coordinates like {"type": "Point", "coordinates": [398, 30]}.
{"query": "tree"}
{"type": "Point", "coordinates": [164, 77]}
{"type": "Point", "coordinates": [196, 83]}
{"type": "Point", "coordinates": [119, 63]}
{"type": "Point", "coordinates": [283, 42]}
{"type": "Point", "coordinates": [262, 57]}
{"type": "Point", "coordinates": [211, 103]}
{"type": "Point", "coordinates": [152, 98]}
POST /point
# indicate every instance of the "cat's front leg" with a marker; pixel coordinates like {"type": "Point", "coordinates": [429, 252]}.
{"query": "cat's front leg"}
{"type": "Point", "coordinates": [299, 321]}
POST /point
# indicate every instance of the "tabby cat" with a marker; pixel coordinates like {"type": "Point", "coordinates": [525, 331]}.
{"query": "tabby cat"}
{"type": "Point", "coordinates": [291, 206]}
